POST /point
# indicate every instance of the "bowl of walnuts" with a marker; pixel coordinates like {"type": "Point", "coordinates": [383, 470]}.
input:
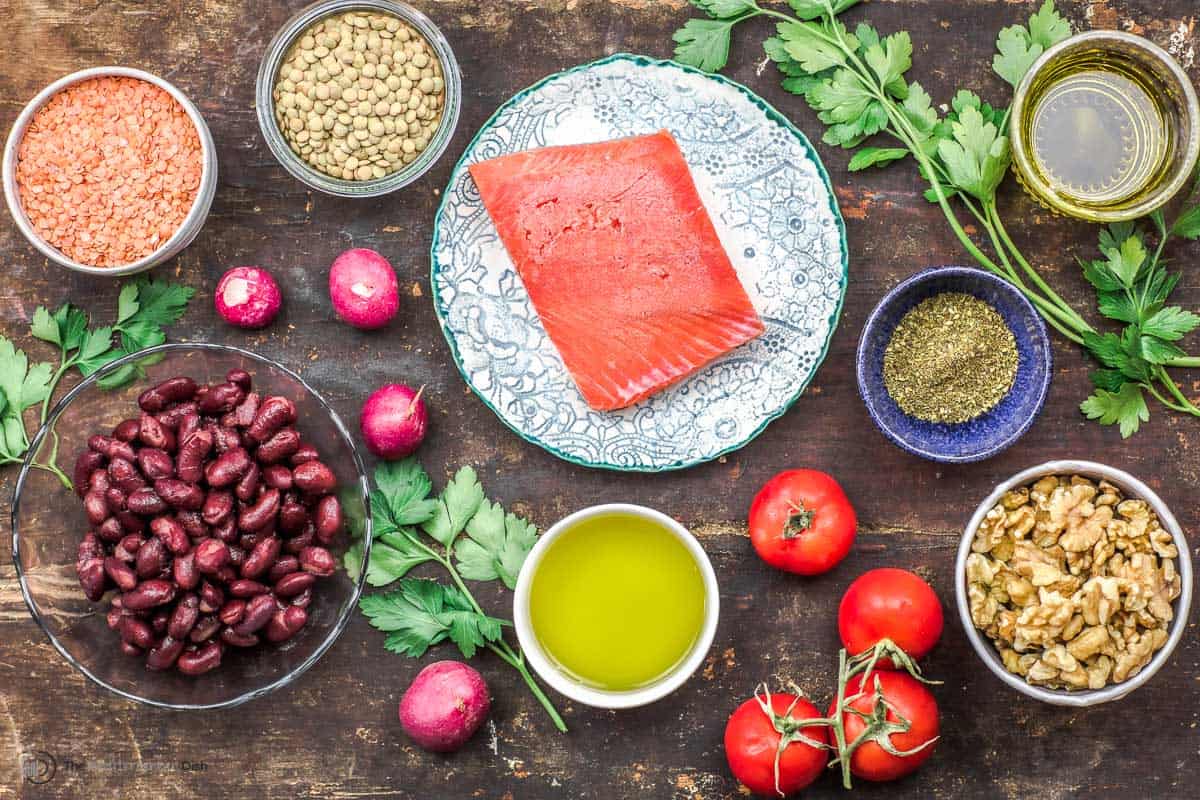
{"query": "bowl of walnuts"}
{"type": "Point", "coordinates": [1074, 582]}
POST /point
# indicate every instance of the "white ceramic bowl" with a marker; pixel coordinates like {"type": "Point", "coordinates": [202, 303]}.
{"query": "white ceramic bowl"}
{"type": "Point", "coordinates": [587, 695]}
{"type": "Point", "coordinates": [1133, 488]}
{"type": "Point", "coordinates": [191, 224]}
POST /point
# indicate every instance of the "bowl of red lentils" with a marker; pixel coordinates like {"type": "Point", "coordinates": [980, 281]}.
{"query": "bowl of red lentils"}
{"type": "Point", "coordinates": [358, 98]}
{"type": "Point", "coordinates": [110, 171]}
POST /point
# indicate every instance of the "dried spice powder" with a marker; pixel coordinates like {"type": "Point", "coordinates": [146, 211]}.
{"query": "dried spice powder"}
{"type": "Point", "coordinates": [950, 359]}
{"type": "Point", "coordinates": [108, 170]}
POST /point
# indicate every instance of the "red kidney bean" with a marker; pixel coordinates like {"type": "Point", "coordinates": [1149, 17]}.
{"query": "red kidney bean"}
{"type": "Point", "coordinates": [173, 418]}
{"type": "Point", "coordinates": [86, 463]}
{"type": "Point", "coordinates": [301, 540]}
{"type": "Point", "coordinates": [124, 577]}
{"type": "Point", "coordinates": [114, 617]}
{"type": "Point", "coordinates": [259, 611]}
{"type": "Point", "coordinates": [162, 655]}
{"type": "Point", "coordinates": [303, 599]}
{"type": "Point", "coordinates": [244, 414]}
{"type": "Point", "coordinates": [127, 431]}
{"type": "Point", "coordinates": [92, 577]}
{"type": "Point", "coordinates": [227, 574]}
{"type": "Point", "coordinates": [227, 438]}
{"type": "Point", "coordinates": [247, 488]}
{"type": "Point", "coordinates": [295, 583]}
{"type": "Point", "coordinates": [153, 433]}
{"type": "Point", "coordinates": [211, 555]}
{"type": "Point", "coordinates": [206, 626]}
{"type": "Point", "coordinates": [180, 494]}
{"type": "Point", "coordinates": [232, 612]}
{"type": "Point", "coordinates": [110, 530]}
{"type": "Point", "coordinates": [273, 413]}
{"type": "Point", "coordinates": [243, 587]}
{"type": "Point", "coordinates": [184, 617]}
{"type": "Point", "coordinates": [192, 452]}
{"type": "Point", "coordinates": [327, 517]}
{"type": "Point", "coordinates": [262, 513]}
{"type": "Point", "coordinates": [130, 649]}
{"type": "Point", "coordinates": [279, 447]}
{"type": "Point", "coordinates": [151, 558]}
{"type": "Point", "coordinates": [221, 399]}
{"type": "Point", "coordinates": [228, 636]}
{"type": "Point", "coordinates": [128, 548]}
{"type": "Point", "coordinates": [95, 507]}
{"type": "Point", "coordinates": [228, 468]}
{"type": "Point", "coordinates": [261, 557]}
{"type": "Point", "coordinates": [124, 475]}
{"type": "Point", "coordinates": [130, 521]}
{"type": "Point", "coordinates": [89, 547]}
{"type": "Point", "coordinates": [110, 447]}
{"type": "Point", "coordinates": [277, 476]}
{"type": "Point", "coordinates": [183, 570]}
{"type": "Point", "coordinates": [306, 452]}
{"type": "Point", "coordinates": [146, 502]}
{"type": "Point", "coordinates": [199, 661]}
{"type": "Point", "coordinates": [148, 594]}
{"type": "Point", "coordinates": [286, 623]}
{"type": "Point", "coordinates": [284, 565]}
{"type": "Point", "coordinates": [292, 517]}
{"type": "Point", "coordinates": [189, 426]}
{"type": "Point", "coordinates": [217, 507]}
{"type": "Point", "coordinates": [193, 524]}
{"type": "Point", "coordinates": [237, 556]}
{"type": "Point", "coordinates": [227, 530]}
{"type": "Point", "coordinates": [99, 481]}
{"type": "Point", "coordinates": [171, 533]}
{"type": "Point", "coordinates": [136, 632]}
{"type": "Point", "coordinates": [173, 390]}
{"type": "Point", "coordinates": [114, 498]}
{"type": "Point", "coordinates": [239, 377]}
{"type": "Point", "coordinates": [159, 620]}
{"type": "Point", "coordinates": [314, 477]}
{"type": "Point", "coordinates": [211, 598]}
{"type": "Point", "coordinates": [317, 560]}
{"type": "Point", "coordinates": [155, 463]}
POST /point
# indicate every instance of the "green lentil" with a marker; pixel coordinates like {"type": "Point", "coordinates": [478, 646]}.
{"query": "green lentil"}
{"type": "Point", "coordinates": [951, 359]}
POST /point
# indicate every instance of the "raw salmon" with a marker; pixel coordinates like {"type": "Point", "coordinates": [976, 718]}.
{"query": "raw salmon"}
{"type": "Point", "coordinates": [621, 261]}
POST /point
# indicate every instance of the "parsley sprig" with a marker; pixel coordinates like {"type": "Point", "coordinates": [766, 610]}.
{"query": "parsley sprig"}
{"type": "Point", "coordinates": [144, 307]}
{"type": "Point", "coordinates": [469, 538]}
{"type": "Point", "coordinates": [856, 83]}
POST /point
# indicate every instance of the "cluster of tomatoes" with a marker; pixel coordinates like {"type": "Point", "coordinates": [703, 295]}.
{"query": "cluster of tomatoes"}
{"type": "Point", "coordinates": [777, 744]}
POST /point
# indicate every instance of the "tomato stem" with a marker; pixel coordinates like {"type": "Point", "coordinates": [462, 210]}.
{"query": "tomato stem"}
{"type": "Point", "coordinates": [799, 520]}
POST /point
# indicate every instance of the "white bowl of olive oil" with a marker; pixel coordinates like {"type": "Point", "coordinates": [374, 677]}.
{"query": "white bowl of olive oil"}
{"type": "Point", "coordinates": [616, 606]}
{"type": "Point", "coordinates": [1105, 127]}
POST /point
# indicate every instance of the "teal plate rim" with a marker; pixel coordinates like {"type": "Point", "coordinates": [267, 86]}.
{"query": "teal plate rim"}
{"type": "Point", "coordinates": [774, 115]}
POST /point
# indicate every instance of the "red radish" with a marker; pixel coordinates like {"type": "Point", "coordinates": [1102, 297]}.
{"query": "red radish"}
{"type": "Point", "coordinates": [394, 420]}
{"type": "Point", "coordinates": [363, 288]}
{"type": "Point", "coordinates": [444, 706]}
{"type": "Point", "coordinates": [248, 297]}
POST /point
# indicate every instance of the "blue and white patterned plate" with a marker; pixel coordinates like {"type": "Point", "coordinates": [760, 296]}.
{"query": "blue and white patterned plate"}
{"type": "Point", "coordinates": [772, 205]}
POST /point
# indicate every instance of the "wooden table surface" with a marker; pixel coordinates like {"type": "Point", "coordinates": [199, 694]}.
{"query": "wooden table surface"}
{"type": "Point", "coordinates": [334, 733]}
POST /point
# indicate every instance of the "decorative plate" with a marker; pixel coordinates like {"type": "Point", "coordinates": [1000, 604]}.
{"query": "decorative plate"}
{"type": "Point", "coordinates": [770, 200]}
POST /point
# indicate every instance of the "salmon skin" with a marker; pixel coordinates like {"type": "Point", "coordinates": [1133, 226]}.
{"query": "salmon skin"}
{"type": "Point", "coordinates": [621, 261]}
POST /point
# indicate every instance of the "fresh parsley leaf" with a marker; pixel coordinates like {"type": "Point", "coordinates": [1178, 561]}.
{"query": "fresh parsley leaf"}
{"type": "Point", "coordinates": [422, 613]}
{"type": "Point", "coordinates": [1098, 275]}
{"type": "Point", "coordinates": [457, 504]}
{"type": "Point", "coordinates": [22, 386]}
{"type": "Point", "coordinates": [159, 302]}
{"type": "Point", "coordinates": [1047, 27]}
{"type": "Point", "coordinates": [1188, 224]}
{"type": "Point", "coordinates": [1157, 351]}
{"type": "Point", "coordinates": [807, 44]}
{"type": "Point", "coordinates": [495, 546]}
{"type": "Point", "coordinates": [1126, 260]}
{"type": "Point", "coordinates": [1171, 324]}
{"type": "Point", "coordinates": [704, 43]}
{"type": "Point", "coordinates": [401, 496]}
{"type": "Point", "coordinates": [811, 9]}
{"type": "Point", "coordinates": [388, 563]}
{"type": "Point", "coordinates": [127, 302]}
{"type": "Point", "coordinates": [1108, 379]}
{"type": "Point", "coordinates": [1019, 46]}
{"type": "Point", "coordinates": [725, 9]}
{"type": "Point", "coordinates": [977, 157]}
{"type": "Point", "coordinates": [889, 60]}
{"type": "Point", "coordinates": [1125, 407]}
{"type": "Point", "coordinates": [1119, 306]}
{"type": "Point", "coordinates": [44, 327]}
{"type": "Point", "coordinates": [876, 157]}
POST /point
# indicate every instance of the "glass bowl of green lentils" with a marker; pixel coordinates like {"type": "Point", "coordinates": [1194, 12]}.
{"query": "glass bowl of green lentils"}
{"type": "Point", "coordinates": [358, 98]}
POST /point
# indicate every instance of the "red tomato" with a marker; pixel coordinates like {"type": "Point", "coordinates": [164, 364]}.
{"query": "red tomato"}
{"type": "Point", "coordinates": [890, 604]}
{"type": "Point", "coordinates": [752, 739]}
{"type": "Point", "coordinates": [908, 699]}
{"type": "Point", "coordinates": [802, 522]}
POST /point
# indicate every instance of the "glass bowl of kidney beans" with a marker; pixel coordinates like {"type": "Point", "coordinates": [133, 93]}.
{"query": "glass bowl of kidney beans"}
{"type": "Point", "coordinates": [198, 562]}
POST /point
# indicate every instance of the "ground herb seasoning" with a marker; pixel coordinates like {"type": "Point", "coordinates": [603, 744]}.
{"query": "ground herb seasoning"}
{"type": "Point", "coordinates": [950, 359]}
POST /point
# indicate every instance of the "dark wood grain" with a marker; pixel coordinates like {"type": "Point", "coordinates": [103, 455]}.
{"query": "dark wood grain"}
{"type": "Point", "coordinates": [335, 734]}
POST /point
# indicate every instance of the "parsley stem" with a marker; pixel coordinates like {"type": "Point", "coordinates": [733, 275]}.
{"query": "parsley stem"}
{"type": "Point", "coordinates": [1187, 362]}
{"type": "Point", "coordinates": [1158, 396]}
{"type": "Point", "coordinates": [519, 665]}
{"type": "Point", "coordinates": [1168, 381]}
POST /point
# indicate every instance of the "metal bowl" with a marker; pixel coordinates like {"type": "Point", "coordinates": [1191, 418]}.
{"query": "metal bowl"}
{"type": "Point", "coordinates": [188, 229]}
{"type": "Point", "coordinates": [1132, 487]}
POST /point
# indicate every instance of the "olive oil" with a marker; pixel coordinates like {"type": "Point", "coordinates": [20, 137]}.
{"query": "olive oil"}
{"type": "Point", "coordinates": [617, 602]}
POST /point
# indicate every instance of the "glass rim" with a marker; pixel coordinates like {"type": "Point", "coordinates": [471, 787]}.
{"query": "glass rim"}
{"type": "Point", "coordinates": [296, 166]}
{"type": "Point", "coordinates": [91, 381]}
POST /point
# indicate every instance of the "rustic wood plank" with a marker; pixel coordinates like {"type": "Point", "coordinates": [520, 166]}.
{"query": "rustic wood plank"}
{"type": "Point", "coordinates": [334, 734]}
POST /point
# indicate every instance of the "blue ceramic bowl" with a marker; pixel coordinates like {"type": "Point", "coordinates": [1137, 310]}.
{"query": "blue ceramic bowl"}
{"type": "Point", "coordinates": [986, 435]}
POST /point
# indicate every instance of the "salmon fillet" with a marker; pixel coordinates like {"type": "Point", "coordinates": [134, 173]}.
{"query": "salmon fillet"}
{"type": "Point", "coordinates": [621, 261]}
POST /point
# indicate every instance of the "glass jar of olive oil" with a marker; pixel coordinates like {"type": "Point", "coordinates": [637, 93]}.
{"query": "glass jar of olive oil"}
{"type": "Point", "coordinates": [1105, 127]}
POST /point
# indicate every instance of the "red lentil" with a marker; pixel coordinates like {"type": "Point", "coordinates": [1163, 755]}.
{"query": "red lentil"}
{"type": "Point", "coordinates": [108, 169]}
